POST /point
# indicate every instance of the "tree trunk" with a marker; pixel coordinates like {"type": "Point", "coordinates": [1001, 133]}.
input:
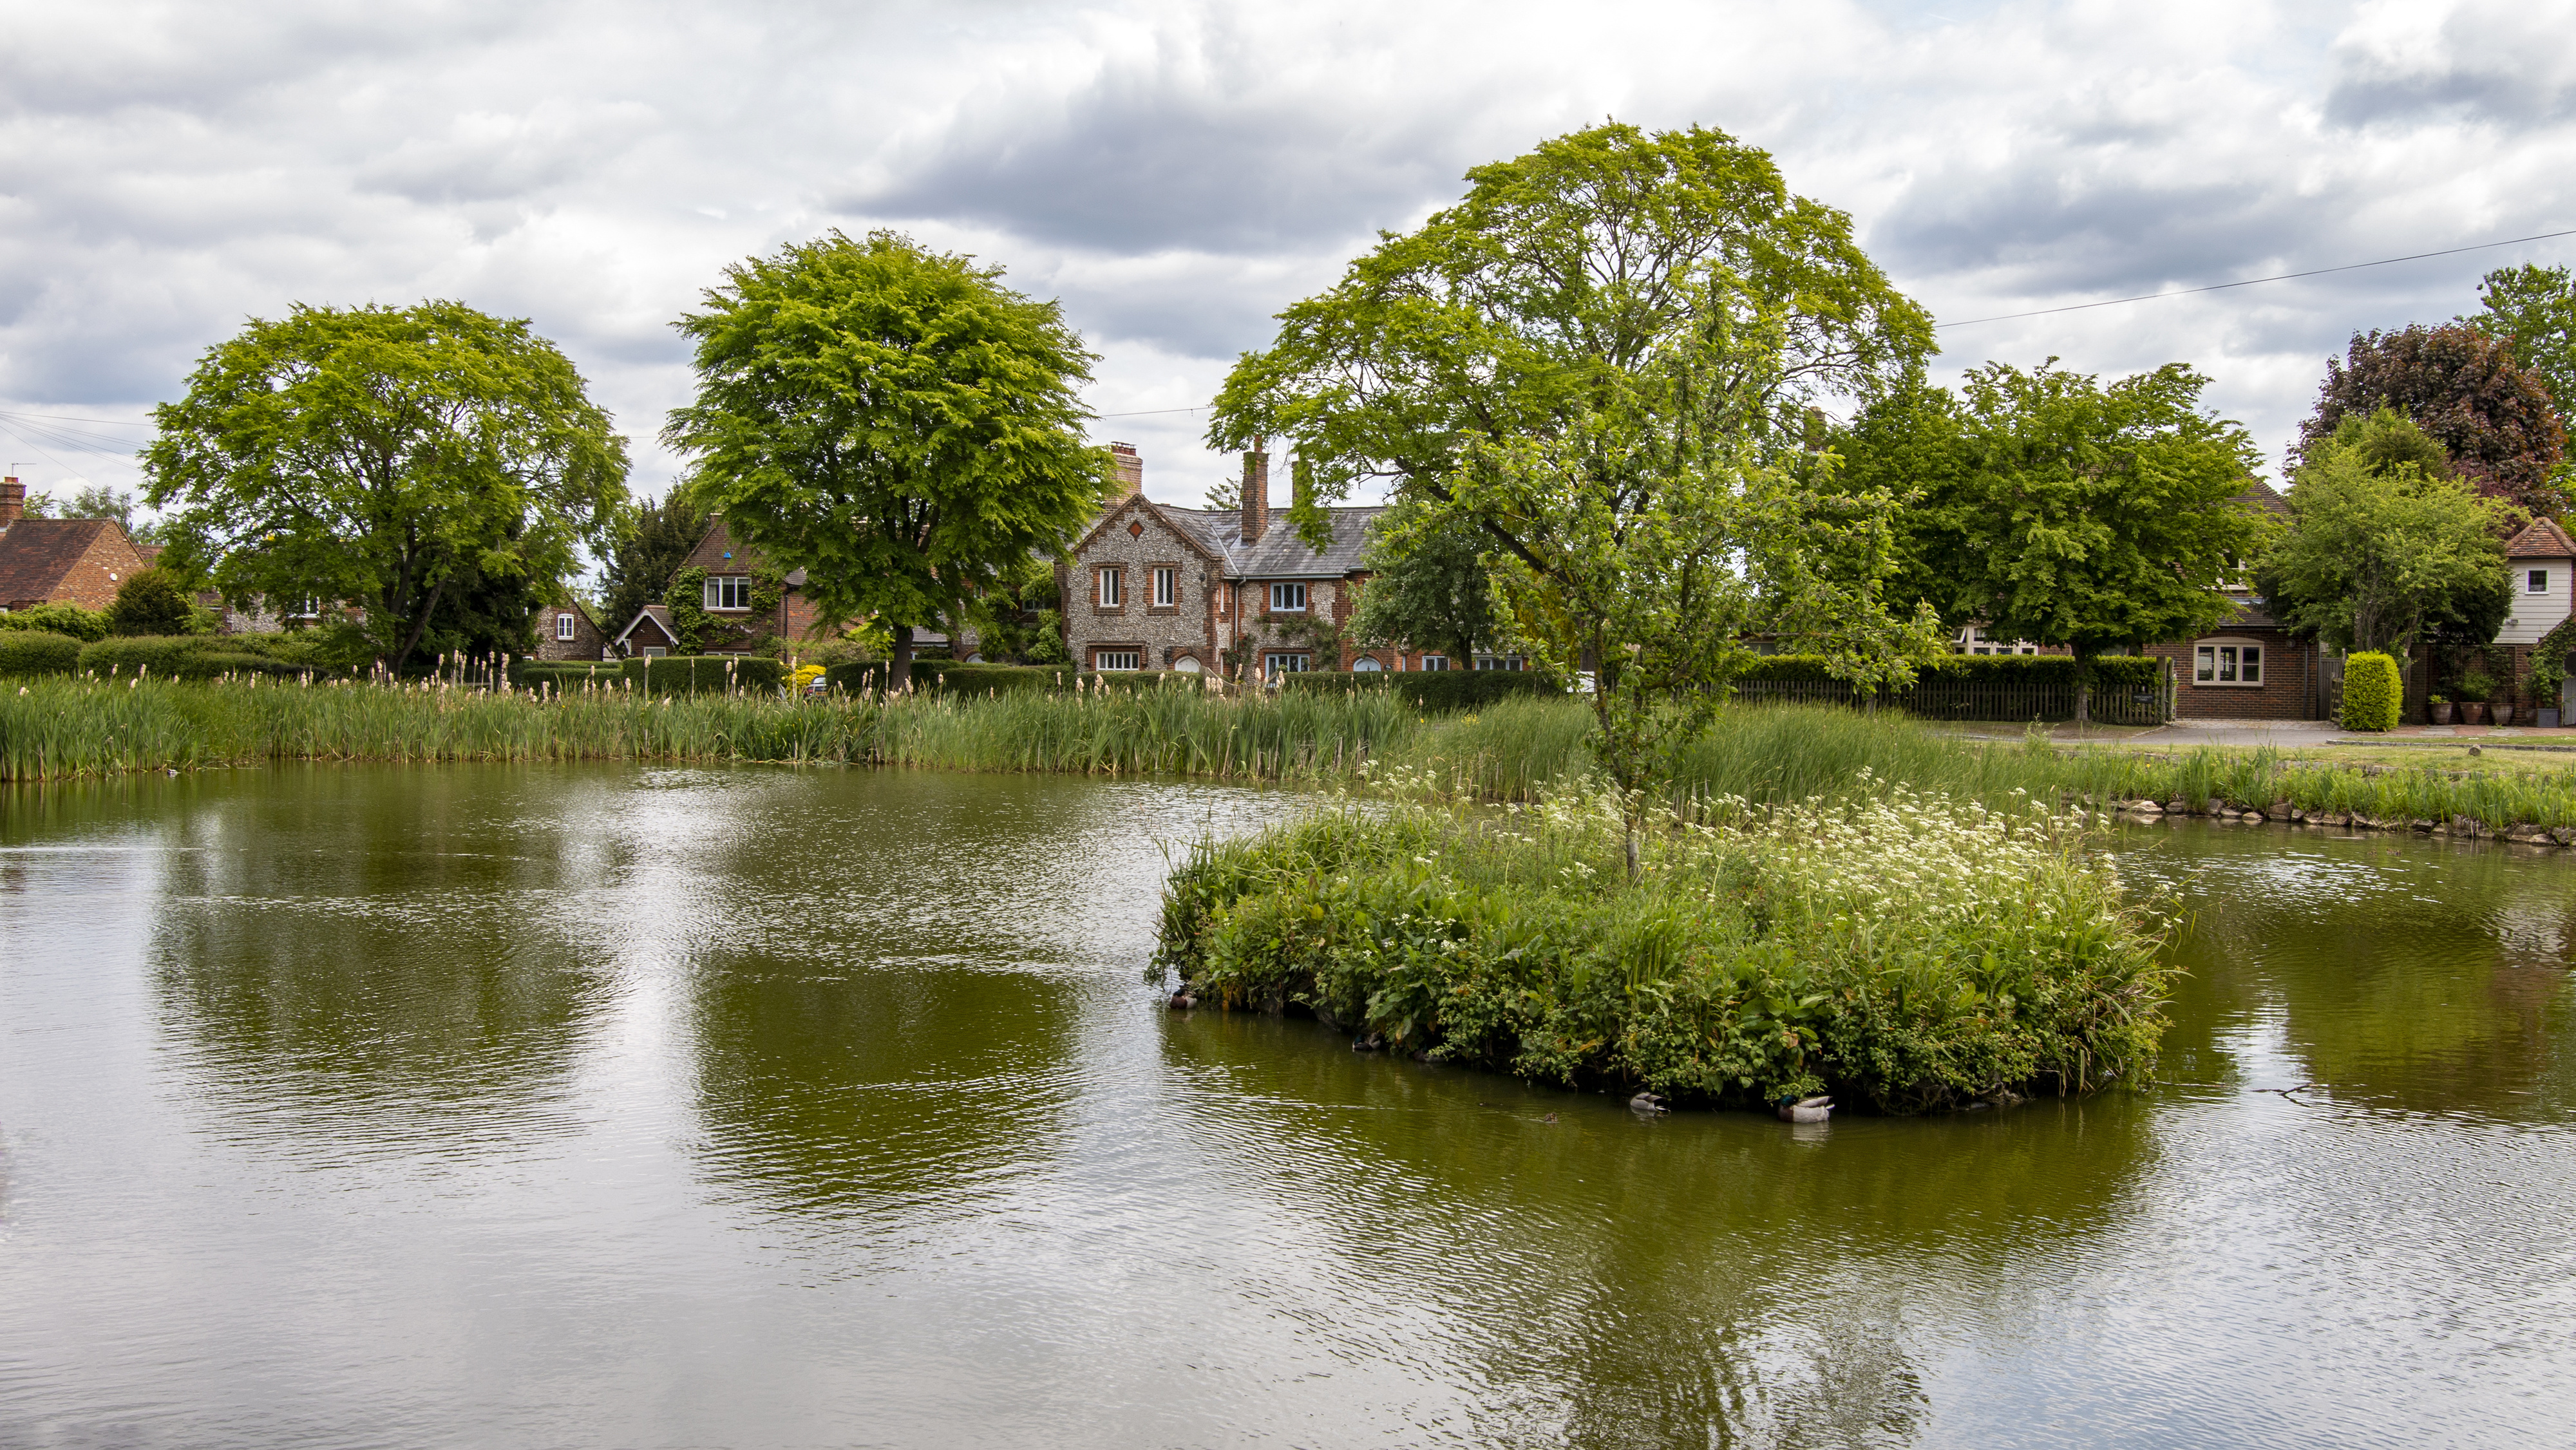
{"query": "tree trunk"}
{"type": "Point", "coordinates": [899, 671]}
{"type": "Point", "coordinates": [2083, 688]}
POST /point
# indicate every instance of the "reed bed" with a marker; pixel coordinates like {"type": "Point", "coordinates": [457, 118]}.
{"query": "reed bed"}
{"type": "Point", "coordinates": [1511, 751]}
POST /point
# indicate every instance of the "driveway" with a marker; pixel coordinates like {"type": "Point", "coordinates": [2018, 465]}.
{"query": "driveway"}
{"type": "Point", "coordinates": [2287, 734]}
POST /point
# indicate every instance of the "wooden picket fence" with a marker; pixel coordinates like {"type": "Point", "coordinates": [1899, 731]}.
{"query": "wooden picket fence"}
{"type": "Point", "coordinates": [2019, 702]}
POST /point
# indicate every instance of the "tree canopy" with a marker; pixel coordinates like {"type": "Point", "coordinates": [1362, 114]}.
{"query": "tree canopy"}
{"type": "Point", "coordinates": [892, 420]}
{"type": "Point", "coordinates": [646, 546]}
{"type": "Point", "coordinates": [2533, 309]}
{"type": "Point", "coordinates": [399, 457]}
{"type": "Point", "coordinates": [1429, 585]}
{"type": "Point", "coordinates": [2056, 509]}
{"type": "Point", "coordinates": [2464, 388]}
{"type": "Point", "coordinates": [1514, 313]}
{"type": "Point", "coordinates": [2386, 545]}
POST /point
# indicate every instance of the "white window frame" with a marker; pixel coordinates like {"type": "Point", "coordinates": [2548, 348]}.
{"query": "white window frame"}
{"type": "Point", "coordinates": [2535, 581]}
{"type": "Point", "coordinates": [1111, 661]}
{"type": "Point", "coordinates": [1111, 590]}
{"type": "Point", "coordinates": [723, 587]}
{"type": "Point", "coordinates": [567, 626]}
{"type": "Point", "coordinates": [1501, 662]}
{"type": "Point", "coordinates": [655, 651]}
{"type": "Point", "coordinates": [1281, 594]}
{"type": "Point", "coordinates": [1432, 662]}
{"type": "Point", "coordinates": [1366, 665]}
{"type": "Point", "coordinates": [312, 608]}
{"type": "Point", "coordinates": [1167, 587]}
{"type": "Point", "coordinates": [2227, 664]}
{"type": "Point", "coordinates": [1285, 662]}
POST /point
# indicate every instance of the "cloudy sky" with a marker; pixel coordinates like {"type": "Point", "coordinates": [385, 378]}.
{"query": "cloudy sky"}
{"type": "Point", "coordinates": [1178, 172]}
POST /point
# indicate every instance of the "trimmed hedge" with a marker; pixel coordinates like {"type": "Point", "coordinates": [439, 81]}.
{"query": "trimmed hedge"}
{"type": "Point", "coordinates": [81, 624]}
{"type": "Point", "coordinates": [563, 674]}
{"type": "Point", "coordinates": [706, 674]}
{"type": "Point", "coordinates": [2110, 672]}
{"type": "Point", "coordinates": [25, 653]}
{"type": "Point", "coordinates": [2373, 692]}
{"type": "Point", "coordinates": [160, 654]}
{"type": "Point", "coordinates": [1433, 689]}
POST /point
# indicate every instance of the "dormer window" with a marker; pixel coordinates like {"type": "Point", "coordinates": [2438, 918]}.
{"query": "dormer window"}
{"type": "Point", "coordinates": [728, 591]}
{"type": "Point", "coordinates": [2535, 581]}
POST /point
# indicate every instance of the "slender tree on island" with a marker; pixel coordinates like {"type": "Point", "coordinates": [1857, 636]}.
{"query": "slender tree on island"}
{"type": "Point", "coordinates": [1601, 361]}
{"type": "Point", "coordinates": [893, 421]}
{"type": "Point", "coordinates": [412, 459]}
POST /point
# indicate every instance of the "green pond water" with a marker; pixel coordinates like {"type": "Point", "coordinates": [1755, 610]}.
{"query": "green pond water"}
{"type": "Point", "coordinates": [532, 1107]}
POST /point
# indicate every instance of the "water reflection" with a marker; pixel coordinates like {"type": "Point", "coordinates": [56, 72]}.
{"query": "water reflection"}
{"type": "Point", "coordinates": [683, 1107]}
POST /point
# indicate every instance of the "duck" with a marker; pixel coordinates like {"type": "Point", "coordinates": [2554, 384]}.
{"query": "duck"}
{"type": "Point", "coordinates": [1806, 1110]}
{"type": "Point", "coordinates": [1182, 1001]}
{"type": "Point", "coordinates": [1648, 1103]}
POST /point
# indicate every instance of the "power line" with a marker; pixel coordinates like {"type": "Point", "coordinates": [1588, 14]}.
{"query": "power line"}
{"type": "Point", "coordinates": [67, 418]}
{"type": "Point", "coordinates": [2255, 281]}
{"type": "Point", "coordinates": [1150, 412]}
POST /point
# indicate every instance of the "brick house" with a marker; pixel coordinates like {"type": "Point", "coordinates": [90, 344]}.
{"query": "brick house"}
{"type": "Point", "coordinates": [727, 598]}
{"type": "Point", "coordinates": [1159, 587]}
{"type": "Point", "coordinates": [60, 561]}
{"type": "Point", "coordinates": [565, 631]}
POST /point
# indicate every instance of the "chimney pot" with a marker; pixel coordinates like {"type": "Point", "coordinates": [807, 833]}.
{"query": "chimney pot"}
{"type": "Point", "coordinates": [1256, 493]}
{"type": "Point", "coordinates": [13, 501]}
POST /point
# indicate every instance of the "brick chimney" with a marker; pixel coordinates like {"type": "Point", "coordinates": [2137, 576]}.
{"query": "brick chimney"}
{"type": "Point", "coordinates": [1256, 493]}
{"type": "Point", "coordinates": [1131, 469]}
{"type": "Point", "coordinates": [13, 501]}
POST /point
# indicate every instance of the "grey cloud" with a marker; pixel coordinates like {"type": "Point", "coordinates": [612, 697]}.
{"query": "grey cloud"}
{"type": "Point", "coordinates": [2499, 64]}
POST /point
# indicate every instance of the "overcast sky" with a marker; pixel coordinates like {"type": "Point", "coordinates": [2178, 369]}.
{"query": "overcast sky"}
{"type": "Point", "coordinates": [1177, 172]}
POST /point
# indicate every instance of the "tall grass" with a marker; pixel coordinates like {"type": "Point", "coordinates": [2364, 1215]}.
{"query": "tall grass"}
{"type": "Point", "coordinates": [1510, 751]}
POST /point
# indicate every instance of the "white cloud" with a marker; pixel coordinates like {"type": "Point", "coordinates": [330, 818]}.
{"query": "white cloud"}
{"type": "Point", "coordinates": [1177, 172]}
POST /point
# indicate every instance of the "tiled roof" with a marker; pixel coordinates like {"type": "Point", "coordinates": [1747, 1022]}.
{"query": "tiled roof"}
{"type": "Point", "coordinates": [2267, 498]}
{"type": "Point", "coordinates": [2542, 539]}
{"type": "Point", "coordinates": [36, 554]}
{"type": "Point", "coordinates": [1279, 553]}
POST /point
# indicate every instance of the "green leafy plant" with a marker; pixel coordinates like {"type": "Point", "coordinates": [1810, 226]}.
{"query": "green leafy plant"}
{"type": "Point", "coordinates": [85, 625]}
{"type": "Point", "coordinates": [2372, 692]}
{"type": "Point", "coordinates": [149, 601]}
{"type": "Point", "coordinates": [2476, 686]}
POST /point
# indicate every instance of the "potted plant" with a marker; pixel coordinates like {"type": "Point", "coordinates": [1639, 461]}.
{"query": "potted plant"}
{"type": "Point", "coordinates": [2473, 689]}
{"type": "Point", "coordinates": [2547, 675]}
{"type": "Point", "coordinates": [2440, 709]}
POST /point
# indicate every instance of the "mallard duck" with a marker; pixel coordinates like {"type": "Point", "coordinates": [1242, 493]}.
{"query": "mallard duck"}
{"type": "Point", "coordinates": [1806, 1110]}
{"type": "Point", "coordinates": [1182, 1001]}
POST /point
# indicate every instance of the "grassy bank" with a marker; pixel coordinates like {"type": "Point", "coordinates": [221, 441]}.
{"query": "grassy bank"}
{"type": "Point", "coordinates": [1510, 751]}
{"type": "Point", "coordinates": [1914, 951]}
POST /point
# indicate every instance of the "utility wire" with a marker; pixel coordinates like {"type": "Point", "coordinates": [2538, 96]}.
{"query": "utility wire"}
{"type": "Point", "coordinates": [2255, 281]}
{"type": "Point", "coordinates": [1150, 412]}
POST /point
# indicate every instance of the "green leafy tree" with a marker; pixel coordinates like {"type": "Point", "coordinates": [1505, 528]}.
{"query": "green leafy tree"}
{"type": "Point", "coordinates": [96, 501]}
{"type": "Point", "coordinates": [2385, 545]}
{"type": "Point", "coordinates": [1653, 536]}
{"type": "Point", "coordinates": [2464, 387]}
{"type": "Point", "coordinates": [392, 456]}
{"type": "Point", "coordinates": [894, 421]}
{"type": "Point", "coordinates": [1430, 586]}
{"type": "Point", "coordinates": [2061, 511]}
{"type": "Point", "coordinates": [1559, 278]}
{"type": "Point", "coordinates": [149, 601]}
{"type": "Point", "coordinates": [646, 547]}
{"type": "Point", "coordinates": [2533, 309]}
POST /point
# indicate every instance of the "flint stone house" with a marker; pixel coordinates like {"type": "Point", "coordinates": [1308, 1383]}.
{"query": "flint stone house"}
{"type": "Point", "coordinates": [1160, 587]}
{"type": "Point", "coordinates": [565, 631]}
{"type": "Point", "coordinates": [726, 597]}
{"type": "Point", "coordinates": [60, 561]}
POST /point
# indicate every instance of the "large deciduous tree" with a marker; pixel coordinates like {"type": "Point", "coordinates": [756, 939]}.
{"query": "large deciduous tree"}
{"type": "Point", "coordinates": [1601, 359]}
{"type": "Point", "coordinates": [2386, 545]}
{"type": "Point", "coordinates": [399, 457]}
{"type": "Point", "coordinates": [2533, 309]}
{"type": "Point", "coordinates": [2055, 509]}
{"type": "Point", "coordinates": [1517, 312]}
{"type": "Point", "coordinates": [1429, 585]}
{"type": "Point", "coordinates": [2464, 388]}
{"type": "Point", "coordinates": [892, 420]}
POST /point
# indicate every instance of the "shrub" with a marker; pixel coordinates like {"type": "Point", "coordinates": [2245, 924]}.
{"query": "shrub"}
{"type": "Point", "coordinates": [81, 624]}
{"type": "Point", "coordinates": [1434, 689]}
{"type": "Point", "coordinates": [563, 674]}
{"type": "Point", "coordinates": [149, 602]}
{"type": "Point", "coordinates": [705, 674]}
{"type": "Point", "coordinates": [27, 652]}
{"type": "Point", "coordinates": [2372, 693]}
{"type": "Point", "coordinates": [155, 654]}
{"type": "Point", "coordinates": [1913, 950]}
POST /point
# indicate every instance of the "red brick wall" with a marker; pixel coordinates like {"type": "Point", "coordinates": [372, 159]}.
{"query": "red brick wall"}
{"type": "Point", "coordinates": [2290, 690]}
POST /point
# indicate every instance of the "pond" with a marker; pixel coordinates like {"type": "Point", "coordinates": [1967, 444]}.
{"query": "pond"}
{"type": "Point", "coordinates": [474, 1106]}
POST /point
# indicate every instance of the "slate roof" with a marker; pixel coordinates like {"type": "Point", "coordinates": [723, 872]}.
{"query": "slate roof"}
{"type": "Point", "coordinates": [1278, 553]}
{"type": "Point", "coordinates": [36, 554]}
{"type": "Point", "coordinates": [2267, 498]}
{"type": "Point", "coordinates": [2543, 539]}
